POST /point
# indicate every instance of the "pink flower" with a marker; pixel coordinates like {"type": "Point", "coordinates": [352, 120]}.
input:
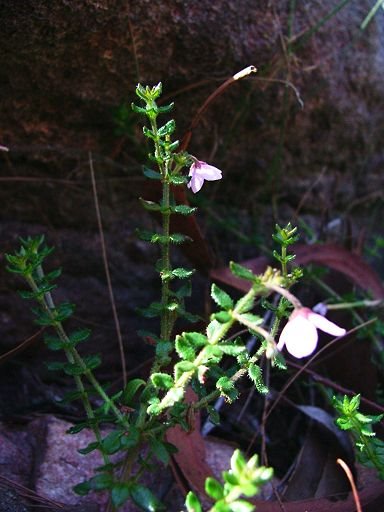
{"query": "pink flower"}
{"type": "Point", "coordinates": [200, 171]}
{"type": "Point", "coordinates": [300, 333]}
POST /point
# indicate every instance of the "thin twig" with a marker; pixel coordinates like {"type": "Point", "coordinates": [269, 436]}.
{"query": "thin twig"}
{"type": "Point", "coordinates": [348, 472]}
{"type": "Point", "coordinates": [217, 92]}
{"type": "Point", "coordinates": [29, 493]}
{"type": "Point", "coordinates": [107, 274]}
{"type": "Point", "coordinates": [22, 346]}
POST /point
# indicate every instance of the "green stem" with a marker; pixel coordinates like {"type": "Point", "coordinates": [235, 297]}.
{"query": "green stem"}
{"type": "Point", "coordinates": [370, 452]}
{"type": "Point", "coordinates": [47, 303]}
{"type": "Point", "coordinates": [365, 303]}
{"type": "Point", "coordinates": [371, 14]}
{"type": "Point", "coordinates": [166, 265]}
{"type": "Point", "coordinates": [165, 248]}
{"type": "Point", "coordinates": [284, 261]}
{"type": "Point", "coordinates": [74, 357]}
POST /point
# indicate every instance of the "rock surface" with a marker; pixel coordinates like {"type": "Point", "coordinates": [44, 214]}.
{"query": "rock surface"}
{"type": "Point", "coordinates": [62, 84]}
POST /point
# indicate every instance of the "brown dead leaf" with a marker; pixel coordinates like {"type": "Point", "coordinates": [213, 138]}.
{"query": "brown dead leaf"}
{"type": "Point", "coordinates": [191, 457]}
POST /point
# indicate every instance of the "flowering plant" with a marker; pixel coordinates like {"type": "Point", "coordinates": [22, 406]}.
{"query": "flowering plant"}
{"type": "Point", "coordinates": [144, 410]}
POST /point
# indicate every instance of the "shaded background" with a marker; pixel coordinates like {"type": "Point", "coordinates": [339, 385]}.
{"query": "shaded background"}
{"type": "Point", "coordinates": [303, 136]}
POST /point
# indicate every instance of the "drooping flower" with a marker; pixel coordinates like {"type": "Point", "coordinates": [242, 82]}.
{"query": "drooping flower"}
{"type": "Point", "coordinates": [300, 336]}
{"type": "Point", "coordinates": [200, 171]}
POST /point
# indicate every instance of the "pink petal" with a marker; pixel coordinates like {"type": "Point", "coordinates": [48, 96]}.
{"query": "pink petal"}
{"type": "Point", "coordinates": [209, 172]}
{"type": "Point", "coordinates": [195, 183]}
{"type": "Point", "coordinates": [299, 336]}
{"type": "Point", "coordinates": [325, 325]}
{"type": "Point", "coordinates": [193, 168]}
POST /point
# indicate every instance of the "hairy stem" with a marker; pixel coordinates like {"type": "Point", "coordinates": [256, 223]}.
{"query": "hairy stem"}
{"type": "Point", "coordinates": [74, 357]}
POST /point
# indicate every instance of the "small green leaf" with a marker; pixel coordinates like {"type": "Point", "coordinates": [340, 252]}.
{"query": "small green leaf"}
{"type": "Point", "coordinates": [255, 374]}
{"type": "Point", "coordinates": [188, 316]}
{"type": "Point", "coordinates": [167, 129]}
{"type": "Point", "coordinates": [150, 206]}
{"type": "Point", "coordinates": [214, 489]}
{"type": "Point", "coordinates": [354, 403]}
{"type": "Point", "coordinates": [153, 310]}
{"type": "Point", "coordinates": [179, 273]}
{"type": "Point", "coordinates": [79, 336]}
{"type": "Point", "coordinates": [212, 354]}
{"type": "Point", "coordinates": [221, 297]}
{"type": "Point", "coordinates": [238, 463]}
{"type": "Point", "coordinates": [184, 348]}
{"type": "Point", "coordinates": [93, 361]}
{"type": "Point", "coordinates": [163, 350]}
{"type": "Point", "coordinates": [89, 448]}
{"type": "Point", "coordinates": [171, 147]}
{"type": "Point", "coordinates": [241, 272]}
{"type": "Point", "coordinates": [185, 290]}
{"type": "Point", "coordinates": [183, 367]}
{"type": "Point", "coordinates": [196, 339]}
{"type": "Point", "coordinates": [278, 361]}
{"type": "Point", "coordinates": [245, 304]}
{"type": "Point", "coordinates": [55, 366]}
{"type": "Point", "coordinates": [75, 429]}
{"type": "Point", "coordinates": [344, 424]}
{"type": "Point", "coordinates": [53, 342]}
{"type": "Point", "coordinates": [162, 380]}
{"type": "Point", "coordinates": [96, 483]}
{"type": "Point", "coordinates": [182, 209]}
{"type": "Point", "coordinates": [130, 391]}
{"type": "Point", "coordinates": [192, 503]}
{"type": "Point", "coordinates": [145, 499]}
{"type": "Point", "coordinates": [250, 320]}
{"type": "Point", "coordinates": [165, 109]}
{"type": "Point", "coordinates": [64, 311]}
{"type": "Point", "coordinates": [362, 418]}
{"type": "Point", "coordinates": [367, 432]}
{"type": "Point", "coordinates": [111, 443]}
{"type": "Point", "coordinates": [138, 110]}
{"type": "Point", "coordinates": [151, 174]}
{"type": "Point", "coordinates": [232, 350]}
{"type": "Point", "coordinates": [149, 133]}
{"type": "Point", "coordinates": [213, 329]}
{"type": "Point", "coordinates": [154, 407]}
{"type": "Point", "coordinates": [120, 493]}
{"type": "Point", "coordinates": [227, 389]}
{"type": "Point", "coordinates": [177, 180]}
{"type": "Point", "coordinates": [178, 238]}
{"type": "Point", "coordinates": [230, 478]}
{"type": "Point", "coordinates": [162, 450]}
{"type": "Point", "coordinates": [222, 316]}
{"type": "Point", "coordinates": [83, 488]}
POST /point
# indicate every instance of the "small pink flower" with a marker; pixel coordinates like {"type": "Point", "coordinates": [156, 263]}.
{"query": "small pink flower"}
{"type": "Point", "coordinates": [300, 333]}
{"type": "Point", "coordinates": [200, 171]}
